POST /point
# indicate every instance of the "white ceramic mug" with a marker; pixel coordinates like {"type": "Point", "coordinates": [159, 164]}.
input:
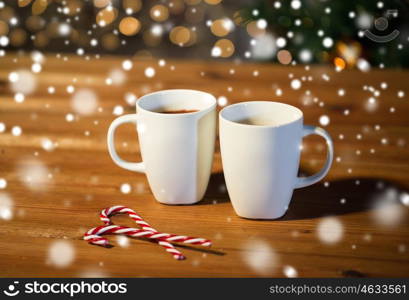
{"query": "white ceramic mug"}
{"type": "Point", "coordinates": [260, 145]}
{"type": "Point", "coordinates": [176, 148]}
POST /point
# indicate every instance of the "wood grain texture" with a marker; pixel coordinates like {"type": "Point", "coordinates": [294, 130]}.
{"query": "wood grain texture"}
{"type": "Point", "coordinates": [79, 178]}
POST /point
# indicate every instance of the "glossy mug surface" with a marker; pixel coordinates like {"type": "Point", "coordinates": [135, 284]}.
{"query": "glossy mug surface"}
{"type": "Point", "coordinates": [260, 145]}
{"type": "Point", "coordinates": [176, 131]}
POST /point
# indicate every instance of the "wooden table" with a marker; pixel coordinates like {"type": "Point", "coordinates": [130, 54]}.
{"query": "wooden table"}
{"type": "Point", "coordinates": [59, 176]}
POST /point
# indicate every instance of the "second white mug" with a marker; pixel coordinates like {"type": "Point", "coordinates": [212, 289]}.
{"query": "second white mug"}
{"type": "Point", "coordinates": [176, 147]}
{"type": "Point", "coordinates": [260, 147]}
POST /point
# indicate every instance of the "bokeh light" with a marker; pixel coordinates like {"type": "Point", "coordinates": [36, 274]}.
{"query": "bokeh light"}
{"type": "Point", "coordinates": [223, 48]}
{"type": "Point", "coordinates": [23, 3]}
{"type": "Point", "coordinates": [256, 28]}
{"type": "Point", "coordinates": [106, 16]}
{"type": "Point", "coordinates": [41, 39]}
{"type": "Point", "coordinates": [176, 6]}
{"type": "Point", "coordinates": [18, 37]}
{"type": "Point", "coordinates": [284, 57]}
{"type": "Point", "coordinates": [101, 3]}
{"type": "Point", "coordinates": [195, 14]}
{"type": "Point", "coordinates": [35, 23]}
{"type": "Point", "coordinates": [129, 26]}
{"type": "Point", "coordinates": [159, 13]}
{"type": "Point", "coordinates": [4, 28]}
{"type": "Point", "coordinates": [39, 6]}
{"type": "Point", "coordinates": [222, 27]}
{"type": "Point", "coordinates": [180, 35]}
{"type": "Point", "coordinates": [192, 2]}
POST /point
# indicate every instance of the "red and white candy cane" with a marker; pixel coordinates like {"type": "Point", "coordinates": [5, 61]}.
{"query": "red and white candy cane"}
{"type": "Point", "coordinates": [93, 235]}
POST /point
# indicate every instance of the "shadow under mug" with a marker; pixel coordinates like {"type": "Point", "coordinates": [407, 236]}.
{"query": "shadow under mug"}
{"type": "Point", "coordinates": [260, 144]}
{"type": "Point", "coordinates": [177, 149]}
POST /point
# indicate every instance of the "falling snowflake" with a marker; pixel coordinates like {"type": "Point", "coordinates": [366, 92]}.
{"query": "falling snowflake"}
{"type": "Point", "coordinates": [330, 230]}
{"type": "Point", "coordinates": [6, 207]}
{"type": "Point", "coordinates": [264, 47]}
{"type": "Point", "coordinates": [404, 199]}
{"type": "Point", "coordinates": [117, 77]}
{"type": "Point", "coordinates": [19, 97]}
{"type": "Point", "coordinates": [222, 101]}
{"type": "Point", "coordinates": [363, 65]}
{"type": "Point", "coordinates": [387, 210]}
{"type": "Point", "coordinates": [296, 4]}
{"type": "Point", "coordinates": [4, 41]}
{"type": "Point", "coordinates": [305, 55]}
{"type": "Point", "coordinates": [327, 42]}
{"type": "Point", "coordinates": [324, 120]}
{"type": "Point", "coordinates": [23, 81]}
{"type": "Point", "coordinates": [84, 101]}
{"type": "Point", "coordinates": [216, 51]}
{"type": "Point", "coordinates": [70, 89]}
{"type": "Point", "coordinates": [125, 188]}
{"type": "Point", "coordinates": [61, 254]}
{"type": "Point", "coordinates": [16, 130]}
{"type": "Point", "coordinates": [33, 173]}
{"type": "Point", "coordinates": [47, 144]}
{"type": "Point", "coordinates": [3, 183]}
{"type": "Point", "coordinates": [69, 117]}
{"type": "Point", "coordinates": [36, 68]}
{"type": "Point", "coordinates": [290, 272]}
{"type": "Point", "coordinates": [371, 105]}
{"type": "Point", "coordinates": [122, 241]}
{"type": "Point", "coordinates": [261, 24]}
{"type": "Point", "coordinates": [130, 98]}
{"type": "Point", "coordinates": [260, 257]}
{"type": "Point", "coordinates": [51, 90]}
{"type": "Point", "coordinates": [401, 94]}
{"type": "Point", "coordinates": [295, 84]}
{"type": "Point", "coordinates": [118, 110]}
{"type": "Point", "coordinates": [149, 72]}
{"type": "Point", "coordinates": [281, 42]}
{"type": "Point", "coordinates": [13, 77]}
{"type": "Point", "coordinates": [127, 65]}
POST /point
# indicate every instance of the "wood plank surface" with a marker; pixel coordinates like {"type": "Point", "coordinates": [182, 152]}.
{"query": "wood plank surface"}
{"type": "Point", "coordinates": [54, 195]}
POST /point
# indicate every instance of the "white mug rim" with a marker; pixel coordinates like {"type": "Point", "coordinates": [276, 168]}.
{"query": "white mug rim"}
{"type": "Point", "coordinates": [206, 109]}
{"type": "Point", "coordinates": [295, 109]}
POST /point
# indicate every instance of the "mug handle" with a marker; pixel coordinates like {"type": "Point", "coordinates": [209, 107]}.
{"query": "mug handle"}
{"type": "Point", "coordinates": [306, 181]}
{"type": "Point", "coordinates": [136, 167]}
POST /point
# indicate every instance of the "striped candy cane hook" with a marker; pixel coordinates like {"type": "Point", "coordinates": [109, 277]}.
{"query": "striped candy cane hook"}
{"type": "Point", "coordinates": [94, 235]}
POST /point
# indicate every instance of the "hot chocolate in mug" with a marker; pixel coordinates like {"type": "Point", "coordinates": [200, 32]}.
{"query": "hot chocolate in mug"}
{"type": "Point", "coordinates": [176, 132]}
{"type": "Point", "coordinates": [260, 145]}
